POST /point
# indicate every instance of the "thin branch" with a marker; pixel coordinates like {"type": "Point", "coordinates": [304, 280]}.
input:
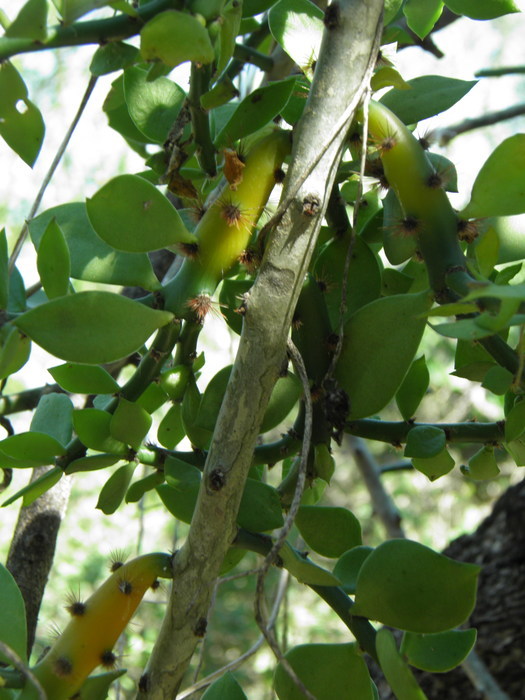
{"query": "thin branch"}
{"type": "Point", "coordinates": [17, 663]}
{"type": "Point", "coordinates": [247, 54]}
{"type": "Point", "coordinates": [482, 679]}
{"type": "Point", "coordinates": [48, 176]}
{"type": "Point", "coordinates": [396, 432]}
{"type": "Point", "coordinates": [205, 149]}
{"type": "Point", "coordinates": [447, 133]}
{"type": "Point", "coordinates": [496, 72]}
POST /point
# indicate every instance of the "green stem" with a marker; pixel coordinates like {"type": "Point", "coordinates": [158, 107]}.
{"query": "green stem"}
{"type": "Point", "coordinates": [25, 400]}
{"type": "Point", "coordinates": [248, 54]}
{"type": "Point", "coordinates": [97, 31]}
{"type": "Point", "coordinates": [504, 70]}
{"type": "Point", "coordinates": [254, 40]}
{"type": "Point", "coordinates": [336, 598]}
{"type": "Point", "coordinates": [396, 432]}
{"type": "Point", "coordinates": [199, 85]}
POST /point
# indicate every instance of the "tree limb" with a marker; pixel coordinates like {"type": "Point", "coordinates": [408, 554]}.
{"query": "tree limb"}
{"type": "Point", "coordinates": [346, 60]}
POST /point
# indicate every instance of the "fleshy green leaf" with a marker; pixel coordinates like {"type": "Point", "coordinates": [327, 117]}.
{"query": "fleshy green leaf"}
{"type": "Point", "coordinates": [112, 56]}
{"type": "Point", "coordinates": [260, 508]}
{"type": "Point", "coordinates": [328, 671]}
{"type": "Point", "coordinates": [73, 9]}
{"type": "Point", "coordinates": [425, 441]}
{"type": "Point", "coordinates": [500, 184]}
{"type": "Point", "coordinates": [91, 327]}
{"type": "Point", "coordinates": [142, 486]}
{"type": "Point", "coordinates": [36, 488]}
{"type": "Point", "coordinates": [29, 449]}
{"type": "Point", "coordinates": [115, 488]}
{"type": "Point", "coordinates": [54, 416]}
{"type": "Point", "coordinates": [482, 9]}
{"type": "Point", "coordinates": [255, 111]}
{"type": "Point", "coordinates": [428, 95]}
{"type": "Point", "coordinates": [304, 570]}
{"type": "Point", "coordinates": [21, 124]}
{"type": "Point", "coordinates": [96, 687]}
{"type": "Point", "coordinates": [30, 22]}
{"type": "Point", "coordinates": [297, 25]}
{"type": "Point", "coordinates": [422, 16]}
{"type": "Point", "coordinates": [15, 349]}
{"type": "Point", "coordinates": [179, 495]}
{"type": "Point", "coordinates": [438, 653]}
{"type": "Point", "coordinates": [12, 617]}
{"type": "Point", "coordinates": [407, 585]}
{"type": "Point", "coordinates": [93, 429]}
{"type": "Point", "coordinates": [4, 274]}
{"type": "Point", "coordinates": [226, 688]}
{"type": "Point", "coordinates": [231, 21]}
{"type": "Point", "coordinates": [436, 466]}
{"type": "Point", "coordinates": [397, 673]}
{"type": "Point", "coordinates": [130, 423]}
{"type": "Point", "coordinates": [147, 220]}
{"type": "Point", "coordinates": [498, 380]}
{"type": "Point", "coordinates": [84, 379]}
{"type": "Point", "coordinates": [175, 37]}
{"type": "Point", "coordinates": [171, 428]}
{"type": "Point", "coordinates": [152, 105]}
{"type": "Point", "coordinates": [515, 422]}
{"type": "Point", "coordinates": [92, 259]}
{"type": "Point", "coordinates": [330, 531]}
{"type": "Point", "coordinates": [348, 566]}
{"type": "Point", "coordinates": [413, 388]}
{"type": "Point", "coordinates": [93, 462]}
{"type": "Point", "coordinates": [53, 261]}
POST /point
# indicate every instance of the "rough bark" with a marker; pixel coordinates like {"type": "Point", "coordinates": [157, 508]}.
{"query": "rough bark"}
{"type": "Point", "coordinates": [345, 62]}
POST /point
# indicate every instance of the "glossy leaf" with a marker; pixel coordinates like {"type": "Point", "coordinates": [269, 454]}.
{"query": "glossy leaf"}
{"type": "Point", "coordinates": [397, 673]}
{"type": "Point", "coordinates": [406, 585]}
{"type": "Point", "coordinates": [436, 466]}
{"type": "Point", "coordinates": [152, 398]}
{"type": "Point", "coordinates": [392, 7]}
{"type": "Point", "coordinates": [115, 488]}
{"type": "Point", "coordinates": [421, 17]}
{"type": "Point", "coordinates": [348, 566]}
{"type": "Point", "coordinates": [225, 688]}
{"type": "Point", "coordinates": [255, 111]}
{"type": "Point", "coordinates": [92, 259]}
{"type": "Point", "coordinates": [487, 251]}
{"type": "Point", "coordinates": [84, 379]}
{"type": "Point", "coordinates": [54, 416]}
{"type": "Point", "coordinates": [29, 449]}
{"type": "Point", "coordinates": [231, 20]}
{"type": "Point", "coordinates": [297, 25]}
{"type": "Point", "coordinates": [380, 341]}
{"type": "Point", "coordinates": [179, 495]}
{"type": "Point", "coordinates": [97, 687]}
{"type": "Point", "coordinates": [230, 298]}
{"type": "Point", "coordinates": [428, 95]}
{"type": "Point", "coordinates": [304, 570]}
{"type": "Point", "coordinates": [53, 261]}
{"type": "Point", "coordinates": [73, 9]}
{"type": "Point", "coordinates": [175, 37]}
{"type": "Point", "coordinates": [118, 116]}
{"type": "Point", "coordinates": [130, 423]}
{"type": "Point", "coordinates": [15, 349]}
{"type": "Point", "coordinates": [171, 428]}
{"type": "Point", "coordinates": [425, 441]}
{"type": "Point", "coordinates": [12, 617]}
{"type": "Point", "coordinates": [515, 422]}
{"type": "Point", "coordinates": [21, 124]}
{"type": "Point", "coordinates": [34, 489]}
{"type": "Point", "coordinates": [112, 56]}
{"type": "Point", "coordinates": [482, 9]}
{"type": "Point", "coordinates": [92, 462]}
{"type": "Point", "coordinates": [413, 388]}
{"type": "Point", "coordinates": [498, 380]}
{"type": "Point", "coordinates": [92, 427]}
{"type": "Point", "coordinates": [330, 531]}
{"type": "Point", "coordinates": [152, 105]}
{"type": "Point", "coordinates": [91, 327]}
{"type": "Point", "coordinates": [30, 22]}
{"type": "Point", "coordinates": [146, 219]}
{"type": "Point", "coordinates": [142, 486]}
{"type": "Point", "coordinates": [260, 508]}
{"type": "Point", "coordinates": [327, 670]}
{"type": "Point", "coordinates": [499, 185]}
{"type": "Point", "coordinates": [438, 653]}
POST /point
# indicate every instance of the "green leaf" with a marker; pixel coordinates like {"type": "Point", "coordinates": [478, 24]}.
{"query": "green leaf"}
{"type": "Point", "coordinates": [230, 298]}
{"type": "Point", "coordinates": [175, 37]}
{"type": "Point", "coordinates": [84, 379]}
{"type": "Point", "coordinates": [425, 441]}
{"type": "Point", "coordinates": [115, 488]}
{"type": "Point", "coordinates": [142, 486]}
{"type": "Point", "coordinates": [380, 341]}
{"type": "Point", "coordinates": [179, 495]}
{"type": "Point", "coordinates": [482, 465]}
{"type": "Point", "coordinates": [429, 95]}
{"type": "Point", "coordinates": [487, 251]}
{"type": "Point", "coordinates": [255, 111]}
{"type": "Point", "coordinates": [329, 531]}
{"type": "Point", "coordinates": [12, 617]}
{"type": "Point", "coordinates": [4, 270]}
{"type": "Point", "coordinates": [93, 429]}
{"type": "Point", "coordinates": [500, 184]}
{"type": "Point", "coordinates": [96, 687]}
{"type": "Point", "coordinates": [171, 428]}
{"type": "Point", "coordinates": [413, 388]}
{"type": "Point", "coordinates": [498, 380]}
{"type": "Point", "coordinates": [92, 259]}
{"type": "Point", "coordinates": [328, 671]}
{"type": "Point", "coordinates": [260, 508]}
{"type": "Point", "coordinates": [29, 449]}
{"type": "Point", "coordinates": [231, 20]}
{"type": "Point", "coordinates": [21, 124]}
{"type": "Point", "coordinates": [15, 349]}
{"type": "Point", "coordinates": [34, 489]}
{"type": "Point", "coordinates": [53, 261]}
{"type": "Point", "coordinates": [112, 56]}
{"type": "Point", "coordinates": [73, 9]}
{"type": "Point", "coordinates": [91, 327]}
{"type": "Point", "coordinates": [226, 688]}
{"type": "Point", "coordinates": [118, 116]}
{"type": "Point", "coordinates": [54, 416]}
{"type": "Point", "coordinates": [152, 105]}
{"type": "Point", "coordinates": [348, 566]}
{"type": "Point", "coordinates": [482, 9]}
{"type": "Point", "coordinates": [406, 585]}
{"type": "Point", "coordinates": [438, 653]}
{"type": "Point", "coordinates": [297, 25]}
{"type": "Point", "coordinates": [93, 462]}
{"type": "Point", "coordinates": [30, 22]}
{"type": "Point", "coordinates": [392, 7]}
{"type": "Point", "coordinates": [515, 422]}
{"type": "Point", "coordinates": [304, 570]}
{"type": "Point", "coordinates": [421, 17]}
{"type": "Point", "coordinates": [147, 220]}
{"type": "Point", "coordinates": [397, 673]}
{"type": "Point", "coordinates": [434, 467]}
{"type": "Point", "coordinates": [130, 423]}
